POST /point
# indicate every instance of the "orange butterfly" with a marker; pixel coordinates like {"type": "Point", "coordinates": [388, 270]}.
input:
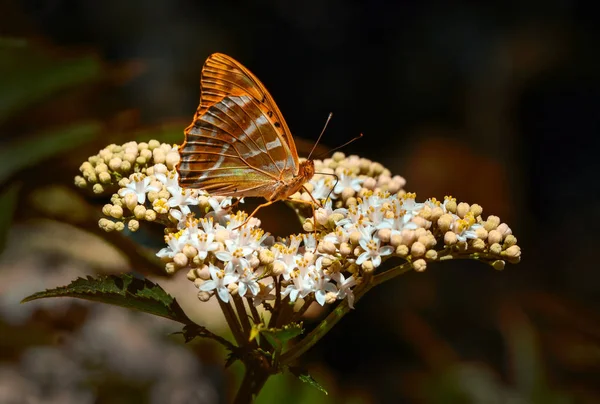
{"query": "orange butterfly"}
{"type": "Point", "coordinates": [238, 143]}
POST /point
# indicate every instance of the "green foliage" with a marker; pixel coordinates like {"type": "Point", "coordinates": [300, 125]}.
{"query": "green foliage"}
{"type": "Point", "coordinates": [8, 204]}
{"type": "Point", "coordinates": [28, 76]}
{"type": "Point", "coordinates": [303, 375]}
{"type": "Point", "coordinates": [32, 150]}
{"type": "Point", "coordinates": [121, 290]}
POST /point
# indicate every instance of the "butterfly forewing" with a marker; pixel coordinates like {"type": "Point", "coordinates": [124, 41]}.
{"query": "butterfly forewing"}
{"type": "Point", "coordinates": [223, 76]}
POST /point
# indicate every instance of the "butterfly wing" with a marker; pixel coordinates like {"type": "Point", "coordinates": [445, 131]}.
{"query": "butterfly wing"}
{"type": "Point", "coordinates": [238, 143]}
{"type": "Point", "coordinates": [233, 149]}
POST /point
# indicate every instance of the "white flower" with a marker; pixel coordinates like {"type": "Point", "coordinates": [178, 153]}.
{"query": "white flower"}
{"type": "Point", "coordinates": [300, 286]}
{"type": "Point", "coordinates": [411, 207]}
{"type": "Point", "coordinates": [219, 281]}
{"type": "Point", "coordinates": [247, 282]}
{"type": "Point", "coordinates": [322, 188]}
{"type": "Point", "coordinates": [264, 294]}
{"type": "Point", "coordinates": [344, 287]}
{"type": "Point", "coordinates": [139, 185]}
{"type": "Point", "coordinates": [465, 228]}
{"type": "Point", "coordinates": [322, 284]}
{"type": "Point", "coordinates": [220, 209]}
{"type": "Point", "coordinates": [171, 181]}
{"type": "Point", "coordinates": [372, 250]}
{"type": "Point", "coordinates": [204, 242]}
{"type": "Point", "coordinates": [322, 214]}
{"type": "Point", "coordinates": [399, 223]}
{"type": "Point", "coordinates": [175, 243]}
{"type": "Point", "coordinates": [181, 200]}
{"type": "Point", "coordinates": [347, 181]}
{"type": "Point", "coordinates": [235, 256]}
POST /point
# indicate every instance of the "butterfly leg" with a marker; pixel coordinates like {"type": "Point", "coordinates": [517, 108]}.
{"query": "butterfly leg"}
{"type": "Point", "coordinates": [312, 206]}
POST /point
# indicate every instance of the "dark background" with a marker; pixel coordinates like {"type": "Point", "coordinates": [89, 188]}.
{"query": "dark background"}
{"type": "Point", "coordinates": [495, 103]}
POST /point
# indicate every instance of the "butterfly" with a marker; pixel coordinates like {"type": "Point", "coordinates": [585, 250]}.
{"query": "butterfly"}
{"type": "Point", "coordinates": [238, 143]}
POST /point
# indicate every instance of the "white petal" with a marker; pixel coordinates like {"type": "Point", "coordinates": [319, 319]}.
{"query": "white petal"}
{"type": "Point", "coordinates": [223, 294]}
{"type": "Point", "coordinates": [362, 258]}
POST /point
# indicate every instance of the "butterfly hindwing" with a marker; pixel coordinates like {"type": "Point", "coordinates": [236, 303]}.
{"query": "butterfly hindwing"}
{"type": "Point", "coordinates": [233, 149]}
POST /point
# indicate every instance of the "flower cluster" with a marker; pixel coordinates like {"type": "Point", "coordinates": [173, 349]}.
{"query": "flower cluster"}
{"type": "Point", "coordinates": [365, 218]}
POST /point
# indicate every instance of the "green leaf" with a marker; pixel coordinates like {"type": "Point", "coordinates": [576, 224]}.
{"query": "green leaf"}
{"type": "Point", "coordinates": [121, 290]}
{"type": "Point", "coordinates": [27, 77]}
{"type": "Point", "coordinates": [303, 375]}
{"type": "Point", "coordinates": [8, 204]}
{"type": "Point", "coordinates": [26, 152]}
{"type": "Point", "coordinates": [279, 336]}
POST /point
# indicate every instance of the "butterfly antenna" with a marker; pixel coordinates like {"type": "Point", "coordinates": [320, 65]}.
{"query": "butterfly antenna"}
{"type": "Point", "coordinates": [339, 147]}
{"type": "Point", "coordinates": [321, 135]}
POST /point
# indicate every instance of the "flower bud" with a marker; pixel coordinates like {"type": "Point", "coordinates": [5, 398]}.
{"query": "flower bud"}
{"type": "Point", "coordinates": [98, 189]}
{"type": "Point", "coordinates": [494, 237]}
{"type": "Point", "coordinates": [445, 222]}
{"type": "Point", "coordinates": [504, 229]}
{"type": "Point", "coordinates": [491, 223]}
{"type": "Point", "coordinates": [498, 265]}
{"type": "Point", "coordinates": [368, 267]}
{"type": "Point", "coordinates": [478, 244]}
{"type": "Point", "coordinates": [496, 249]}
{"type": "Point", "coordinates": [431, 255]}
{"type": "Point", "coordinates": [345, 249]}
{"type": "Point", "coordinates": [510, 240]}
{"type": "Point", "coordinates": [369, 183]}
{"type": "Point", "coordinates": [278, 268]}
{"type": "Point", "coordinates": [119, 226]}
{"type": "Point", "coordinates": [512, 251]}
{"type": "Point", "coordinates": [481, 233]}
{"type": "Point", "coordinates": [266, 257]}
{"type": "Point", "coordinates": [450, 238]}
{"type": "Point", "coordinates": [131, 201]}
{"type": "Point", "coordinates": [420, 265]}
{"type": "Point", "coordinates": [133, 225]}
{"type": "Point", "coordinates": [116, 212]}
{"type": "Point", "coordinates": [150, 215]}
{"type": "Point", "coordinates": [384, 235]}
{"type": "Point", "coordinates": [396, 240]}
{"type": "Point", "coordinates": [180, 260]}
{"type": "Point", "coordinates": [191, 275]}
{"type": "Point", "coordinates": [139, 212]}
{"type": "Point", "coordinates": [355, 237]}
{"type": "Point", "coordinates": [204, 296]}
{"type": "Point", "coordinates": [402, 250]}
{"type": "Point", "coordinates": [327, 247]}
{"type": "Point", "coordinates": [172, 159]}
{"type": "Point", "coordinates": [308, 225]}
{"type": "Point", "coordinates": [189, 251]}
{"type": "Point", "coordinates": [417, 249]}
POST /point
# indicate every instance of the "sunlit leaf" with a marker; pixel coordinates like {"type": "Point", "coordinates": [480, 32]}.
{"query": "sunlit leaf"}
{"type": "Point", "coordinates": [121, 290]}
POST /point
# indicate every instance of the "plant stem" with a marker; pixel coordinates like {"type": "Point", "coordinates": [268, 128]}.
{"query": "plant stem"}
{"type": "Point", "coordinates": [232, 321]}
{"type": "Point", "coordinates": [254, 379]}
{"type": "Point", "coordinates": [336, 315]}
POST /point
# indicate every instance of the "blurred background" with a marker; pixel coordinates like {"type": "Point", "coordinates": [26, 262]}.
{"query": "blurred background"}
{"type": "Point", "coordinates": [494, 103]}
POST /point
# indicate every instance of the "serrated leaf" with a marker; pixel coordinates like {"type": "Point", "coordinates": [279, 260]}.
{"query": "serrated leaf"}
{"type": "Point", "coordinates": [8, 204]}
{"type": "Point", "coordinates": [121, 290]}
{"type": "Point", "coordinates": [22, 153]}
{"type": "Point", "coordinates": [303, 375]}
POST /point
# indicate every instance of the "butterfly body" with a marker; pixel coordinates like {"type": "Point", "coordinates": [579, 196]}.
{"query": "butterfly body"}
{"type": "Point", "coordinates": [238, 143]}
